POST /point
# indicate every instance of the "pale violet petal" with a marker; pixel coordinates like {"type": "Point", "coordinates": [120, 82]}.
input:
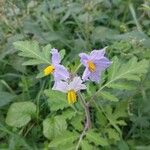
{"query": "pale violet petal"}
{"type": "Point", "coordinates": [97, 54]}
{"type": "Point", "coordinates": [102, 64]}
{"type": "Point", "coordinates": [60, 73]}
{"type": "Point", "coordinates": [76, 84]}
{"type": "Point", "coordinates": [86, 74]}
{"type": "Point", "coordinates": [61, 86]}
{"type": "Point", "coordinates": [56, 59]}
{"type": "Point", "coordinates": [83, 87]}
{"type": "Point", "coordinates": [84, 58]}
{"type": "Point", "coordinates": [95, 76]}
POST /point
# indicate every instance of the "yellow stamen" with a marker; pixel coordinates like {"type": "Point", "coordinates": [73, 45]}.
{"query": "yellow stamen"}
{"type": "Point", "coordinates": [49, 70]}
{"type": "Point", "coordinates": [72, 97]}
{"type": "Point", "coordinates": [91, 66]}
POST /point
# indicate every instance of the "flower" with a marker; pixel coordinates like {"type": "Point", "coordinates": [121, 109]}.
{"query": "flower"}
{"type": "Point", "coordinates": [59, 71]}
{"type": "Point", "coordinates": [70, 88]}
{"type": "Point", "coordinates": [95, 63]}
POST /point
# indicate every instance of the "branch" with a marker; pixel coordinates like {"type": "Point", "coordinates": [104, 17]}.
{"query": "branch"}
{"type": "Point", "coordinates": [88, 119]}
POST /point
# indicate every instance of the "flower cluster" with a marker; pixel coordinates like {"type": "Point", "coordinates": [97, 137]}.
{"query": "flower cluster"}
{"type": "Point", "coordinates": [94, 64]}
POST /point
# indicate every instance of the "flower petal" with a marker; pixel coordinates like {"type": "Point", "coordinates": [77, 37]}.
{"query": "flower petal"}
{"type": "Point", "coordinates": [86, 74]}
{"type": "Point", "coordinates": [84, 58]}
{"type": "Point", "coordinates": [102, 64]}
{"type": "Point", "coordinates": [95, 76]}
{"type": "Point", "coordinates": [56, 59]}
{"type": "Point", "coordinates": [60, 73]}
{"type": "Point", "coordinates": [97, 54]}
{"type": "Point", "coordinates": [76, 84]}
{"type": "Point", "coordinates": [61, 86]}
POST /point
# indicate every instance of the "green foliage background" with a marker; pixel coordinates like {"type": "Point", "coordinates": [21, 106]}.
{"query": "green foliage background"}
{"type": "Point", "coordinates": [32, 116]}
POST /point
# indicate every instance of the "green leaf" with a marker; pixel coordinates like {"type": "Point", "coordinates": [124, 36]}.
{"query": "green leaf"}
{"type": "Point", "coordinates": [62, 53]}
{"type": "Point", "coordinates": [108, 96]}
{"type": "Point", "coordinates": [130, 71]}
{"type": "Point", "coordinates": [96, 138]}
{"type": "Point", "coordinates": [66, 138]}
{"type": "Point", "coordinates": [67, 146]}
{"type": "Point", "coordinates": [69, 113]}
{"type": "Point", "coordinates": [32, 62]}
{"type": "Point", "coordinates": [122, 145]}
{"type": "Point", "coordinates": [20, 113]}
{"type": "Point", "coordinates": [122, 86]}
{"type": "Point", "coordinates": [86, 146]}
{"type": "Point", "coordinates": [5, 98]}
{"type": "Point", "coordinates": [113, 134]}
{"type": "Point", "coordinates": [40, 74]}
{"type": "Point", "coordinates": [116, 115]}
{"type": "Point", "coordinates": [77, 122]}
{"type": "Point", "coordinates": [31, 50]}
{"type": "Point", "coordinates": [53, 127]}
{"type": "Point", "coordinates": [56, 100]}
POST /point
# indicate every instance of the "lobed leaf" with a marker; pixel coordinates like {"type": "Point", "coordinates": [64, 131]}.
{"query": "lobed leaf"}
{"type": "Point", "coordinates": [52, 127]}
{"type": "Point", "coordinates": [130, 71]}
{"type": "Point", "coordinates": [109, 96]}
{"type": "Point", "coordinates": [56, 100]}
{"type": "Point", "coordinates": [96, 138]}
{"type": "Point", "coordinates": [32, 50]}
{"type": "Point", "coordinates": [20, 113]}
{"type": "Point", "coordinates": [65, 139]}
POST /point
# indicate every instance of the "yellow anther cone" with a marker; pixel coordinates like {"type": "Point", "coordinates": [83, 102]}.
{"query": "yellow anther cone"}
{"type": "Point", "coordinates": [91, 66]}
{"type": "Point", "coordinates": [49, 70]}
{"type": "Point", "coordinates": [72, 97]}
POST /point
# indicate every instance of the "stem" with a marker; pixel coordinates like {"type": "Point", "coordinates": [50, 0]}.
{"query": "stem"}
{"type": "Point", "coordinates": [7, 86]}
{"type": "Point", "coordinates": [78, 67]}
{"type": "Point", "coordinates": [132, 10]}
{"type": "Point", "coordinates": [87, 112]}
{"type": "Point", "coordinates": [81, 137]}
{"type": "Point", "coordinates": [88, 119]}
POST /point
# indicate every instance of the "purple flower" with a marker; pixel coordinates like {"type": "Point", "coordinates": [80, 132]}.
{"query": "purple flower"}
{"type": "Point", "coordinates": [59, 71]}
{"type": "Point", "coordinates": [70, 88]}
{"type": "Point", "coordinates": [95, 63]}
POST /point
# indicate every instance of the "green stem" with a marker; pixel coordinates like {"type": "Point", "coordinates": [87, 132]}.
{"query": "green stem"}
{"type": "Point", "coordinates": [7, 86]}
{"type": "Point", "coordinates": [78, 67]}
{"type": "Point", "coordinates": [132, 10]}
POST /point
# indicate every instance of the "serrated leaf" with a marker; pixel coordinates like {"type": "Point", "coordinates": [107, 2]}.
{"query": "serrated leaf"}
{"type": "Point", "coordinates": [115, 116]}
{"type": "Point", "coordinates": [67, 146]}
{"type": "Point", "coordinates": [68, 114]}
{"type": "Point", "coordinates": [129, 71]}
{"type": "Point", "coordinates": [121, 109]}
{"type": "Point", "coordinates": [31, 49]}
{"type": "Point", "coordinates": [77, 122]}
{"type": "Point", "coordinates": [56, 100]}
{"type": "Point", "coordinates": [109, 96]}
{"type": "Point", "coordinates": [121, 86]}
{"type": "Point", "coordinates": [20, 113]}
{"type": "Point", "coordinates": [40, 75]}
{"type": "Point", "coordinates": [32, 62]}
{"type": "Point", "coordinates": [96, 138]}
{"type": "Point", "coordinates": [46, 51]}
{"type": "Point", "coordinates": [53, 127]}
{"type": "Point", "coordinates": [62, 53]}
{"type": "Point", "coordinates": [86, 145]}
{"type": "Point", "coordinates": [113, 134]}
{"type": "Point", "coordinates": [66, 138]}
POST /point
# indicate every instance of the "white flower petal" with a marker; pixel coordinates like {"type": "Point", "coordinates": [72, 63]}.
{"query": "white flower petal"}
{"type": "Point", "coordinates": [61, 86]}
{"type": "Point", "coordinates": [76, 84]}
